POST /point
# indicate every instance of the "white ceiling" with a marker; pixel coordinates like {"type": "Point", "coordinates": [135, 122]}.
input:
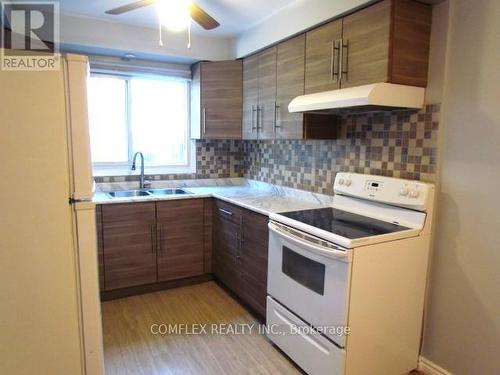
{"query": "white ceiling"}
{"type": "Point", "coordinates": [235, 16]}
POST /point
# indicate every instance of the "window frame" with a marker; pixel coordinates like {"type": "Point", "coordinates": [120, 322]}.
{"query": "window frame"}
{"type": "Point", "coordinates": [124, 169]}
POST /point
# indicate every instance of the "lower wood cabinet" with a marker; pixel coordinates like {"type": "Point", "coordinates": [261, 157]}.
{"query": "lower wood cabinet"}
{"type": "Point", "coordinates": [179, 230]}
{"type": "Point", "coordinates": [143, 243]}
{"type": "Point", "coordinates": [254, 248]}
{"type": "Point", "coordinates": [226, 246]}
{"type": "Point", "coordinates": [240, 253]}
{"type": "Point", "coordinates": [149, 242]}
{"type": "Point", "coordinates": [128, 234]}
{"type": "Point", "coordinates": [100, 252]}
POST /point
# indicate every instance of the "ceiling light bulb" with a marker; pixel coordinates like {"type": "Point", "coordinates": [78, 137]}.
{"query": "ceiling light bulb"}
{"type": "Point", "coordinates": [174, 14]}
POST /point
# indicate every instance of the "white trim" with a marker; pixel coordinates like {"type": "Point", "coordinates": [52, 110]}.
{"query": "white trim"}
{"type": "Point", "coordinates": [430, 368]}
{"type": "Point", "coordinates": [115, 65]}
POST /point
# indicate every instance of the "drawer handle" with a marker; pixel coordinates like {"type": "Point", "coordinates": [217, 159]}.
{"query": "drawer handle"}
{"type": "Point", "coordinates": [225, 211]}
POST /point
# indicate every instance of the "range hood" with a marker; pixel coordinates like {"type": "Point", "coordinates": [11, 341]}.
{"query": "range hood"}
{"type": "Point", "coordinates": [374, 97]}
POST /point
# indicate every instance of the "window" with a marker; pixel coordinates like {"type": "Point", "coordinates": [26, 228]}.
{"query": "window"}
{"type": "Point", "coordinates": [131, 114]}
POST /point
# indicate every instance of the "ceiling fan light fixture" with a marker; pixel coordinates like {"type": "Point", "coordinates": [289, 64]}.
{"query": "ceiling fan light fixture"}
{"type": "Point", "coordinates": [174, 14]}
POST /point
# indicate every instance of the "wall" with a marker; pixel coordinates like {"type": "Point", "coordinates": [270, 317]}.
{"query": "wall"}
{"type": "Point", "coordinates": [298, 16]}
{"type": "Point", "coordinates": [462, 330]}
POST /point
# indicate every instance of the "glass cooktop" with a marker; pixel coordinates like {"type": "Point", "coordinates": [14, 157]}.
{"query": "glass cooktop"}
{"type": "Point", "coordinates": [343, 223]}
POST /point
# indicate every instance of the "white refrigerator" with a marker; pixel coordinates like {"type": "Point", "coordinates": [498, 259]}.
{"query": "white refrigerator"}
{"type": "Point", "coordinates": [50, 310]}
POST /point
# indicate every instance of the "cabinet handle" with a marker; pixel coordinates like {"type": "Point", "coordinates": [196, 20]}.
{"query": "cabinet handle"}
{"type": "Point", "coordinates": [252, 119]}
{"type": "Point", "coordinates": [276, 115]}
{"type": "Point", "coordinates": [153, 239]}
{"type": "Point", "coordinates": [204, 120]}
{"type": "Point", "coordinates": [334, 66]}
{"type": "Point", "coordinates": [344, 59]}
{"type": "Point", "coordinates": [225, 211]}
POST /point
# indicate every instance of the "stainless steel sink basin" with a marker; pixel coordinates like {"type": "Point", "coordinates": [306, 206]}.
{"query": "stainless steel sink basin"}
{"type": "Point", "coordinates": [128, 193]}
{"type": "Point", "coordinates": [168, 191]}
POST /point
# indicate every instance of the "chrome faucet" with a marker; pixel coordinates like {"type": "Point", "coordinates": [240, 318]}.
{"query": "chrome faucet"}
{"type": "Point", "coordinates": [141, 181]}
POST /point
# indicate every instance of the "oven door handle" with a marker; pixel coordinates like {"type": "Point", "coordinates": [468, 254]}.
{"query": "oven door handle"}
{"type": "Point", "coordinates": [342, 255]}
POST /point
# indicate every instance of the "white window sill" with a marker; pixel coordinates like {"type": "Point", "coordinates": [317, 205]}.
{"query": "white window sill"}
{"type": "Point", "coordinates": [125, 171]}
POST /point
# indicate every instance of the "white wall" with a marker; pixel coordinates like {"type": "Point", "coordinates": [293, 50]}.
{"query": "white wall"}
{"type": "Point", "coordinates": [91, 35]}
{"type": "Point", "coordinates": [298, 16]}
{"type": "Point", "coordinates": [462, 330]}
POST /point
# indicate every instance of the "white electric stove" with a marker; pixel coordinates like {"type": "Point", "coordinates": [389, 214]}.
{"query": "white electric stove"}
{"type": "Point", "coordinates": [346, 283]}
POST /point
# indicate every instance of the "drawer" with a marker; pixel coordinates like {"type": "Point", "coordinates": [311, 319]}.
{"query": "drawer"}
{"type": "Point", "coordinates": [311, 351]}
{"type": "Point", "coordinates": [227, 211]}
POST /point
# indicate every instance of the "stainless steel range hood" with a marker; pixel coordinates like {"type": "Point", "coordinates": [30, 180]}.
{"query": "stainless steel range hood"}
{"type": "Point", "coordinates": [377, 96]}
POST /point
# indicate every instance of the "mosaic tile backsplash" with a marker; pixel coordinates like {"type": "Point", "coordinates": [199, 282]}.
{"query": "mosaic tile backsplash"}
{"type": "Point", "coordinates": [214, 159]}
{"type": "Point", "coordinates": [399, 144]}
{"type": "Point", "coordinates": [395, 144]}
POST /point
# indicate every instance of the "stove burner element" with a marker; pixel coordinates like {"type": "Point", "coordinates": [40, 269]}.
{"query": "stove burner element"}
{"type": "Point", "coordinates": [343, 223]}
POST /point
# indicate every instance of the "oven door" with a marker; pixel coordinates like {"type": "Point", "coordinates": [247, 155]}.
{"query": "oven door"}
{"type": "Point", "coordinates": [310, 279]}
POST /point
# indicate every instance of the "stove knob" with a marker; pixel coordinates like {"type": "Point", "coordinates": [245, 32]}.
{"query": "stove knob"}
{"type": "Point", "coordinates": [348, 182]}
{"type": "Point", "coordinates": [414, 193]}
{"type": "Point", "coordinates": [341, 181]}
{"type": "Point", "coordinates": [404, 191]}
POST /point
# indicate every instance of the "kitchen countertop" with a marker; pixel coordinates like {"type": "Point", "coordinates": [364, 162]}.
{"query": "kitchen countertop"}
{"type": "Point", "coordinates": [257, 196]}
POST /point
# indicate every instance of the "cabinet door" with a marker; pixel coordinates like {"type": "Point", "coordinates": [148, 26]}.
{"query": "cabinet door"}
{"type": "Point", "coordinates": [365, 54]}
{"type": "Point", "coordinates": [100, 252]}
{"type": "Point", "coordinates": [267, 94]}
{"type": "Point", "coordinates": [128, 244]}
{"type": "Point", "coordinates": [208, 216]}
{"type": "Point", "coordinates": [255, 242]}
{"type": "Point", "coordinates": [321, 58]}
{"type": "Point", "coordinates": [221, 99]}
{"type": "Point", "coordinates": [290, 84]}
{"type": "Point", "coordinates": [250, 96]}
{"type": "Point", "coordinates": [226, 247]}
{"type": "Point", "coordinates": [179, 238]}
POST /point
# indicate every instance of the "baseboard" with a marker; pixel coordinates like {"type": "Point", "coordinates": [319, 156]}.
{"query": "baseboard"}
{"type": "Point", "coordinates": [430, 368]}
{"type": "Point", "coordinates": [108, 295]}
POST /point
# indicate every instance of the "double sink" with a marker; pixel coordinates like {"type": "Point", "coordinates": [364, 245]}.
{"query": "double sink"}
{"type": "Point", "coordinates": [146, 193]}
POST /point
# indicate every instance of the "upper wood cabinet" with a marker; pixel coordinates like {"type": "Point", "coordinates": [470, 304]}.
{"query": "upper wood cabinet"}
{"type": "Point", "coordinates": [216, 100]}
{"type": "Point", "coordinates": [271, 79]}
{"type": "Point", "coordinates": [250, 96]}
{"type": "Point", "coordinates": [365, 46]}
{"type": "Point", "coordinates": [290, 84]}
{"type": "Point", "coordinates": [322, 52]}
{"type": "Point", "coordinates": [385, 42]}
{"type": "Point", "coordinates": [259, 95]}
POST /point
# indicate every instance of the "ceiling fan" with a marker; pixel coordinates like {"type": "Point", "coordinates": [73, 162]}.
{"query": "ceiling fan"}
{"type": "Point", "coordinates": [172, 9]}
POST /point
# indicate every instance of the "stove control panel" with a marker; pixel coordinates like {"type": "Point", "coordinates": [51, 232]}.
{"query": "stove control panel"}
{"type": "Point", "coordinates": [389, 190]}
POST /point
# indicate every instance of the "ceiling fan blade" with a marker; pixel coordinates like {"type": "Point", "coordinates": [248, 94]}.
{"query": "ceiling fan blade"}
{"type": "Point", "coordinates": [202, 18]}
{"type": "Point", "coordinates": [129, 7]}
